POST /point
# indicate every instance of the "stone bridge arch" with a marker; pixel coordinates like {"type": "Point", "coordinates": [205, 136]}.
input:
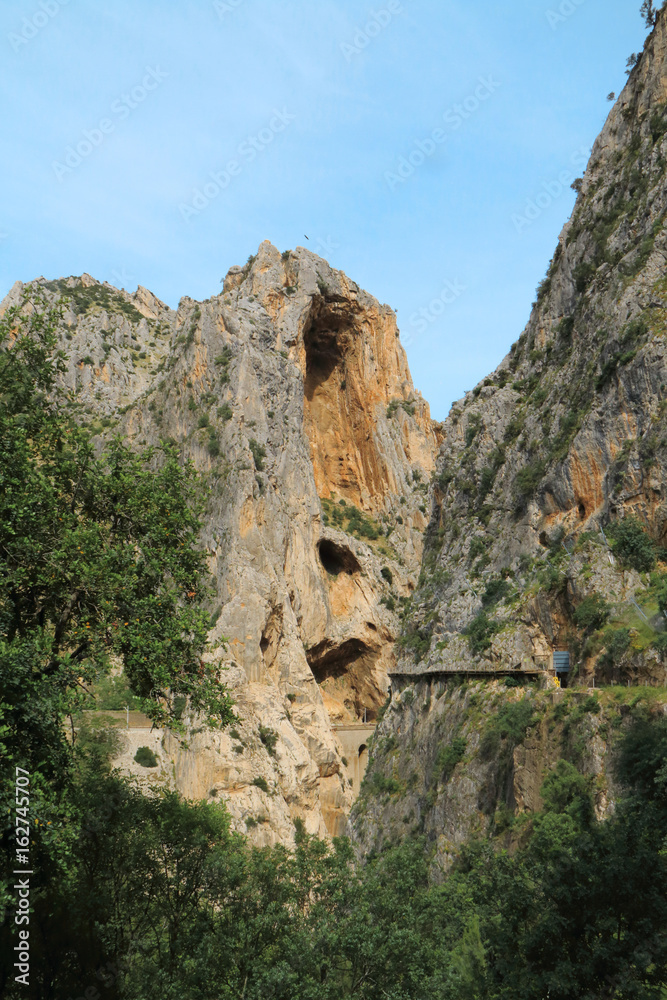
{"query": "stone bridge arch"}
{"type": "Point", "coordinates": [353, 740]}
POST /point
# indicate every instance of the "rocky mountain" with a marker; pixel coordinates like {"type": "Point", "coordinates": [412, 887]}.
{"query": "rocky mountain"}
{"type": "Point", "coordinates": [549, 522]}
{"type": "Point", "coordinates": [568, 435]}
{"type": "Point", "coordinates": [290, 392]}
{"type": "Point", "coordinates": [355, 544]}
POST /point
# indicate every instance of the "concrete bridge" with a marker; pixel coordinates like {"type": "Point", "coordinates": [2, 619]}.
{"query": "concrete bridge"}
{"type": "Point", "coordinates": [354, 739]}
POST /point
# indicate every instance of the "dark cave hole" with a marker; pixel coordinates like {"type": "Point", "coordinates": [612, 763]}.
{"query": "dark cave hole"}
{"type": "Point", "coordinates": [337, 559]}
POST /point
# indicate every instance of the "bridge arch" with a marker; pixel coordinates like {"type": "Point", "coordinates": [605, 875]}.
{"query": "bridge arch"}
{"type": "Point", "coordinates": [353, 740]}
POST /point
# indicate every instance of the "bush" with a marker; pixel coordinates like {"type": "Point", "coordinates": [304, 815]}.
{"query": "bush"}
{"type": "Point", "coordinates": [495, 591]}
{"type": "Point", "coordinates": [508, 729]}
{"type": "Point", "coordinates": [592, 613]}
{"type": "Point", "coordinates": [617, 642]}
{"type": "Point", "coordinates": [660, 643]}
{"type": "Point", "coordinates": [527, 480]}
{"type": "Point", "coordinates": [258, 454]}
{"type": "Point", "coordinates": [565, 790]}
{"type": "Point", "coordinates": [473, 429]}
{"type": "Point", "coordinates": [379, 784]}
{"type": "Point", "coordinates": [449, 756]}
{"type": "Point", "coordinates": [213, 445]}
{"type": "Point", "coordinates": [260, 782]}
{"type": "Point", "coordinates": [269, 738]}
{"type": "Point", "coordinates": [632, 545]}
{"type": "Point", "coordinates": [224, 412]}
{"type": "Point", "coordinates": [203, 421]}
{"type": "Point", "coordinates": [387, 575]}
{"type": "Point", "coordinates": [145, 757]}
{"type": "Point", "coordinates": [480, 632]}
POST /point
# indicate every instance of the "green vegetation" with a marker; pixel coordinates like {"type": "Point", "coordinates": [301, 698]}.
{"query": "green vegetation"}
{"type": "Point", "coordinates": [213, 444]}
{"type": "Point", "coordinates": [526, 482]}
{"type": "Point", "coordinates": [145, 757]}
{"type": "Point", "coordinates": [112, 693]}
{"type": "Point", "coordinates": [260, 782]}
{"type": "Point", "coordinates": [592, 613]}
{"type": "Point", "coordinates": [632, 544]}
{"type": "Point", "coordinates": [258, 453]}
{"type": "Point", "coordinates": [496, 591]}
{"type": "Point", "coordinates": [480, 632]}
{"type": "Point", "coordinates": [449, 756]}
{"type": "Point", "coordinates": [350, 519]}
{"type": "Point", "coordinates": [415, 639]}
{"type": "Point", "coordinates": [380, 784]}
{"type": "Point", "coordinates": [99, 567]}
{"type": "Point", "coordinates": [507, 729]}
{"type": "Point", "coordinates": [98, 552]}
{"type": "Point", "coordinates": [86, 299]}
{"type": "Point", "coordinates": [405, 404]}
{"type": "Point", "coordinates": [223, 360]}
{"type": "Point", "coordinates": [269, 738]}
{"type": "Point", "coordinates": [473, 428]}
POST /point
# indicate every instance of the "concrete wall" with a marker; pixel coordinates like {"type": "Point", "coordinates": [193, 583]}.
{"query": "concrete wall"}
{"type": "Point", "coordinates": [353, 740]}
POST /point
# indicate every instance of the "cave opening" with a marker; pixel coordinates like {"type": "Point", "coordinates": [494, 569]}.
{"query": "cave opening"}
{"type": "Point", "coordinates": [326, 340]}
{"type": "Point", "coordinates": [344, 672]}
{"type": "Point", "coordinates": [337, 559]}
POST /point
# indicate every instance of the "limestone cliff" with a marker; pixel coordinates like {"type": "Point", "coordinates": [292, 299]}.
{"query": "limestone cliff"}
{"type": "Point", "coordinates": [549, 526]}
{"type": "Point", "coordinates": [290, 391]}
{"type": "Point", "coordinates": [453, 760]}
{"type": "Point", "coordinates": [566, 439]}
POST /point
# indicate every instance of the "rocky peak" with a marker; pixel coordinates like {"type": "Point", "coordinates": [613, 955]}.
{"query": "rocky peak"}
{"type": "Point", "coordinates": [291, 393]}
{"type": "Point", "coordinates": [567, 436]}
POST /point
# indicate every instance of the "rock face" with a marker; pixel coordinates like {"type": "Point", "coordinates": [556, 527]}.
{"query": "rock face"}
{"type": "Point", "coordinates": [451, 762]}
{"type": "Point", "coordinates": [291, 393]}
{"type": "Point", "coordinates": [549, 525]}
{"type": "Point", "coordinates": [567, 436]}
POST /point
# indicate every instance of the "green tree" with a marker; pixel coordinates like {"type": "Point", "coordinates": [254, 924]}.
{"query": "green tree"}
{"type": "Point", "coordinates": [99, 563]}
{"type": "Point", "coordinates": [649, 12]}
{"type": "Point", "coordinates": [98, 554]}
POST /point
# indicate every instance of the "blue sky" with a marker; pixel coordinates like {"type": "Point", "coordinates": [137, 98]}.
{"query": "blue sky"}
{"type": "Point", "coordinates": [405, 138]}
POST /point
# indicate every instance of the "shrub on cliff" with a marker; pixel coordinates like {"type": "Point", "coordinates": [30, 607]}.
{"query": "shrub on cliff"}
{"type": "Point", "coordinates": [632, 544]}
{"type": "Point", "coordinates": [592, 613]}
{"type": "Point", "coordinates": [480, 632]}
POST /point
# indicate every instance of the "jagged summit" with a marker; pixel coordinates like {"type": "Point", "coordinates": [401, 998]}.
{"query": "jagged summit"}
{"type": "Point", "coordinates": [290, 391]}
{"type": "Point", "coordinates": [567, 436]}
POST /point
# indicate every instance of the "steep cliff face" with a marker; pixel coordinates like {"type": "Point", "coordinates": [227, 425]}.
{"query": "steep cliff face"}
{"type": "Point", "coordinates": [549, 526]}
{"type": "Point", "coordinates": [453, 761]}
{"type": "Point", "coordinates": [567, 437]}
{"type": "Point", "coordinates": [290, 392]}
